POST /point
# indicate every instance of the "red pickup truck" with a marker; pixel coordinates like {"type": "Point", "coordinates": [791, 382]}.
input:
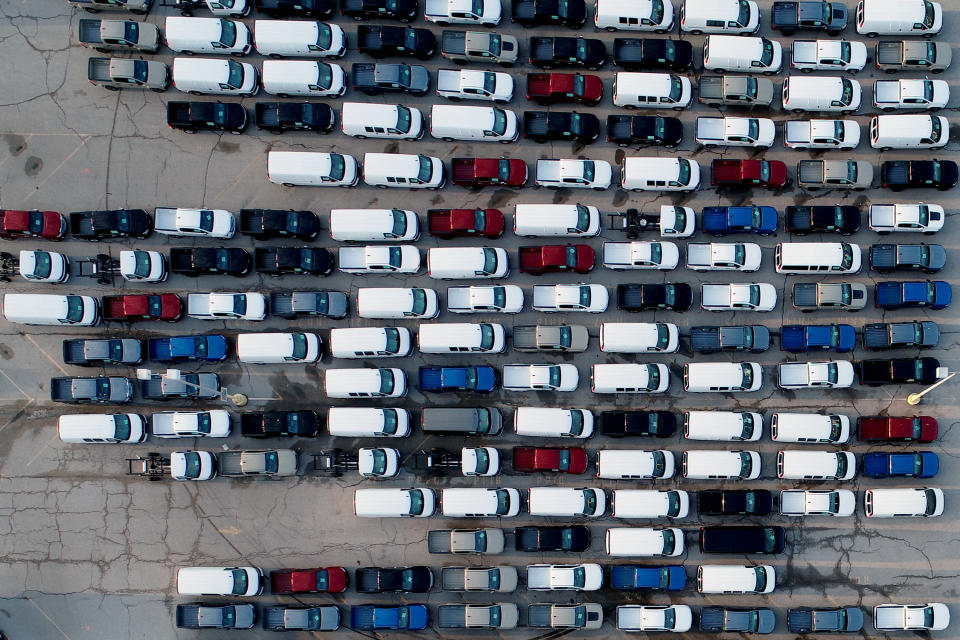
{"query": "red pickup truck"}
{"type": "Point", "coordinates": [556, 258]}
{"type": "Point", "coordinates": [568, 460]}
{"type": "Point", "coordinates": [484, 172]}
{"type": "Point", "coordinates": [48, 225]}
{"type": "Point", "coordinates": [465, 223]}
{"type": "Point", "coordinates": [887, 429]}
{"type": "Point", "coordinates": [551, 88]}
{"type": "Point", "coordinates": [320, 580]}
{"type": "Point", "coordinates": [770, 174]}
{"type": "Point", "coordinates": [165, 306]}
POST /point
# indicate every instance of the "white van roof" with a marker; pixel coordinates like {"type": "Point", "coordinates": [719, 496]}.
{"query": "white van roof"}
{"type": "Point", "coordinates": [304, 164]}
{"type": "Point", "coordinates": [285, 30]}
{"type": "Point", "coordinates": [648, 84]}
{"type": "Point", "coordinates": [201, 70]}
{"type": "Point", "coordinates": [463, 113]}
{"type": "Point", "coordinates": [205, 28]}
{"type": "Point", "coordinates": [392, 164]}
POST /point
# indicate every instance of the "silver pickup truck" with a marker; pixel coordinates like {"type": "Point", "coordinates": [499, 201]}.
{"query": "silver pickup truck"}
{"type": "Point", "coordinates": [918, 55]}
{"type": "Point", "coordinates": [467, 84]}
{"type": "Point", "coordinates": [465, 541]}
{"type": "Point", "coordinates": [567, 338]}
{"type": "Point", "coordinates": [738, 91]}
{"type": "Point", "coordinates": [479, 46]}
{"type": "Point", "coordinates": [273, 462]}
{"type": "Point", "coordinates": [122, 73]}
{"type": "Point", "coordinates": [838, 174]}
{"type": "Point", "coordinates": [501, 579]}
{"type": "Point", "coordinates": [119, 35]}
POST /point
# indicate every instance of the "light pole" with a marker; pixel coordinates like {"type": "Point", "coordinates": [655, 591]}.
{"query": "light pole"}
{"type": "Point", "coordinates": [914, 398]}
{"type": "Point", "coordinates": [238, 399]}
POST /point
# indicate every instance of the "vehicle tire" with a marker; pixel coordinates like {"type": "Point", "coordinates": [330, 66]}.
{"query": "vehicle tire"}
{"type": "Point", "coordinates": [796, 111]}
{"type": "Point", "coordinates": [718, 70]}
{"type": "Point", "coordinates": [357, 18]}
{"type": "Point", "coordinates": [593, 68]}
{"type": "Point", "coordinates": [108, 88]}
{"type": "Point", "coordinates": [609, 29]}
{"type": "Point", "coordinates": [195, 93]}
{"type": "Point", "coordinates": [799, 148]}
{"type": "Point", "coordinates": [887, 109]}
{"type": "Point", "coordinates": [890, 72]}
{"type": "Point", "coordinates": [678, 108]}
{"type": "Point", "coordinates": [501, 101]}
{"type": "Point", "coordinates": [381, 186]}
{"type": "Point", "coordinates": [546, 67]}
{"type": "Point", "coordinates": [138, 12]}
{"type": "Point", "coordinates": [158, 90]}
{"type": "Point", "coordinates": [506, 141]}
{"type": "Point", "coordinates": [453, 98]}
{"type": "Point", "coordinates": [885, 149]}
{"type": "Point", "coordinates": [360, 137]}
{"type": "Point", "coordinates": [288, 184]}
{"type": "Point", "coordinates": [813, 188]}
{"type": "Point", "coordinates": [440, 23]}
{"type": "Point", "coordinates": [934, 71]}
{"type": "Point", "coordinates": [806, 70]}
{"type": "Point", "coordinates": [599, 188]}
{"type": "Point", "coordinates": [236, 133]}
{"type": "Point", "coordinates": [871, 35]}
{"type": "Point", "coordinates": [697, 32]}
{"type": "Point", "coordinates": [506, 65]}
{"type": "Point", "coordinates": [447, 139]}
{"type": "Point", "coordinates": [91, 10]}
{"type": "Point", "coordinates": [283, 95]}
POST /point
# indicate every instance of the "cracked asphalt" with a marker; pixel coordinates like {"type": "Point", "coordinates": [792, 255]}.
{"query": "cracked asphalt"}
{"type": "Point", "coordinates": [88, 552]}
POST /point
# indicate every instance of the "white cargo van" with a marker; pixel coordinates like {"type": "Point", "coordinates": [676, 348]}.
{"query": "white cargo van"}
{"type": "Point", "coordinates": [566, 502]}
{"type": "Point", "coordinates": [907, 503]}
{"type": "Point", "coordinates": [397, 303]}
{"type": "Point", "coordinates": [373, 225]}
{"type": "Point", "coordinates": [285, 78]}
{"type": "Point", "coordinates": [365, 422]}
{"type": "Point", "coordinates": [895, 17]}
{"type": "Point", "coordinates": [816, 465]}
{"type": "Point", "coordinates": [639, 337]}
{"type": "Point", "coordinates": [278, 348]}
{"type": "Point", "coordinates": [394, 503]}
{"type": "Point", "coordinates": [649, 503]}
{"type": "Point", "coordinates": [111, 428]}
{"type": "Point", "coordinates": [312, 169]}
{"type": "Point", "coordinates": [462, 337]}
{"type": "Point", "coordinates": [403, 170]}
{"type": "Point", "coordinates": [727, 426]}
{"type": "Point", "coordinates": [547, 422]}
{"type": "Point", "coordinates": [651, 90]}
{"type": "Point", "coordinates": [809, 427]}
{"type": "Point", "coordinates": [206, 35]}
{"type": "Point", "coordinates": [644, 542]}
{"type": "Point", "coordinates": [719, 16]}
{"type": "Point", "coordinates": [392, 121]}
{"type": "Point", "coordinates": [660, 174]}
{"type": "Point", "coordinates": [810, 258]}
{"type": "Point", "coordinates": [50, 309]}
{"type": "Point", "coordinates": [629, 378]}
{"type": "Point", "coordinates": [721, 377]}
{"type": "Point", "coordinates": [556, 220]}
{"type": "Point", "coordinates": [215, 76]}
{"type": "Point", "coordinates": [716, 578]}
{"type": "Point", "coordinates": [820, 93]}
{"type": "Point", "coordinates": [480, 503]}
{"type": "Point", "coordinates": [365, 383]}
{"type": "Point", "coordinates": [491, 124]}
{"type": "Point", "coordinates": [634, 15]}
{"type": "Point", "coordinates": [699, 464]}
{"type": "Point", "coordinates": [735, 53]}
{"type": "Point", "coordinates": [460, 263]}
{"type": "Point", "coordinates": [635, 464]}
{"type": "Point", "coordinates": [910, 131]}
{"type": "Point", "coordinates": [371, 342]}
{"type": "Point", "coordinates": [299, 38]}
{"type": "Point", "coordinates": [219, 581]}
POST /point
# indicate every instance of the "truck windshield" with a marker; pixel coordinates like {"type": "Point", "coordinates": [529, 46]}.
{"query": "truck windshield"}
{"type": "Point", "coordinates": [324, 36]}
{"type": "Point", "coordinates": [928, 613]}
{"type": "Point", "coordinates": [563, 460]}
{"type": "Point", "coordinates": [743, 15]}
{"type": "Point", "coordinates": [203, 422]}
{"type": "Point", "coordinates": [499, 122]}
{"type": "Point", "coordinates": [656, 252]}
{"type": "Point", "coordinates": [191, 461]}
{"type": "Point", "coordinates": [739, 254]}
{"type": "Point", "coordinates": [271, 462]}
{"type": "Point", "coordinates": [140, 72]}
{"type": "Point", "coordinates": [419, 301]}
{"type": "Point", "coordinates": [754, 295]}
{"type": "Point", "coordinates": [390, 421]}
{"type": "Point", "coordinates": [585, 296]}
{"type": "Point", "coordinates": [495, 44]}
{"type": "Point", "coordinates": [503, 171]}
{"type": "Point", "coordinates": [832, 373]}
{"type": "Point", "coordinates": [403, 613]}
{"type": "Point", "coordinates": [751, 90]}
{"type": "Point", "coordinates": [228, 33]}
{"type": "Point", "coordinates": [749, 502]}
{"type": "Point", "coordinates": [403, 119]}
{"type": "Point", "coordinates": [489, 261]}
{"type": "Point", "coordinates": [299, 346]}
{"type": "Point", "coordinates": [589, 170]}
{"type": "Point", "coordinates": [35, 222]}
{"type": "Point", "coordinates": [115, 349]}
{"type": "Point", "coordinates": [426, 169]}
{"type": "Point", "coordinates": [239, 582]}
{"type": "Point", "coordinates": [669, 295]}
{"type": "Point", "coordinates": [669, 618]}
{"type": "Point", "coordinates": [576, 422]}
{"type": "Point", "coordinates": [206, 220]}
{"type": "Point", "coordinates": [653, 375]}
{"type": "Point", "coordinates": [669, 542]}
{"type": "Point", "coordinates": [234, 74]}
{"type": "Point", "coordinates": [676, 89]}
{"type": "Point", "coordinates": [406, 579]}
{"type": "Point", "coordinates": [470, 378]}
{"type": "Point", "coordinates": [494, 611]}
{"type": "Point", "coordinates": [766, 56]}
{"type": "Point", "coordinates": [663, 336]}
{"type": "Point", "coordinates": [499, 297]}
{"type": "Point", "coordinates": [579, 85]}
{"type": "Point", "coordinates": [395, 257]}
{"type": "Point", "coordinates": [386, 382]}
{"type": "Point", "coordinates": [582, 48]}
{"type": "Point", "coordinates": [928, 15]}
{"type": "Point", "coordinates": [200, 347]}
{"type": "Point", "coordinates": [845, 52]}
{"type": "Point", "coordinates": [927, 91]}
{"type": "Point", "coordinates": [931, 292]}
{"type": "Point", "coordinates": [479, 220]}
{"type": "Point", "coordinates": [753, 128]}
{"type": "Point", "coordinates": [765, 171]}
{"type": "Point", "coordinates": [486, 336]}
{"type": "Point", "coordinates": [403, 75]}
{"type": "Point", "coordinates": [683, 175]}
{"type": "Point", "coordinates": [489, 83]}
{"type": "Point", "coordinates": [554, 376]}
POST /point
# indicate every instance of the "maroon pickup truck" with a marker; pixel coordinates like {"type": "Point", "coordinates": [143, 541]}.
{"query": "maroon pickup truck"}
{"type": "Point", "coordinates": [556, 258]}
{"type": "Point", "coordinates": [892, 429]}
{"type": "Point", "coordinates": [48, 225]}
{"type": "Point", "coordinates": [165, 306]}
{"type": "Point", "coordinates": [291, 581]}
{"type": "Point", "coordinates": [551, 88]}
{"type": "Point", "coordinates": [485, 172]}
{"type": "Point", "coordinates": [465, 223]}
{"type": "Point", "coordinates": [770, 174]}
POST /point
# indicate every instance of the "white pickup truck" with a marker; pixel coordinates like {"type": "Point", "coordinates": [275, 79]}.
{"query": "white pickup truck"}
{"type": "Point", "coordinates": [835, 374]}
{"type": "Point", "coordinates": [671, 617]}
{"type": "Point", "coordinates": [592, 298]}
{"type": "Point", "coordinates": [555, 577]}
{"type": "Point", "coordinates": [578, 174]}
{"type": "Point", "coordinates": [829, 55]}
{"type": "Point", "coordinates": [757, 296]}
{"type": "Point", "coordinates": [540, 377]}
{"type": "Point", "coordinates": [484, 299]}
{"type": "Point", "coordinates": [190, 424]}
{"type": "Point", "coordinates": [226, 306]}
{"type": "Point", "coordinates": [444, 12]}
{"type": "Point", "coordinates": [467, 84]}
{"type": "Point", "coordinates": [932, 616]}
{"type": "Point", "coordinates": [890, 95]}
{"type": "Point", "coordinates": [640, 255]}
{"type": "Point", "coordinates": [800, 502]}
{"type": "Point", "coordinates": [203, 223]}
{"type": "Point", "coordinates": [821, 134]}
{"type": "Point", "coordinates": [736, 132]}
{"type": "Point", "coordinates": [379, 259]}
{"type": "Point", "coordinates": [723, 256]}
{"type": "Point", "coordinates": [923, 218]}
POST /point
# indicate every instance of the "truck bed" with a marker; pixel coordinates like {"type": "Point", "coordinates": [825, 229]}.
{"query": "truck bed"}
{"type": "Point", "coordinates": [454, 42]}
{"type": "Point", "coordinates": [452, 616]}
{"type": "Point", "coordinates": [889, 52]}
{"type": "Point", "coordinates": [453, 578]}
{"type": "Point", "coordinates": [539, 616]}
{"type": "Point", "coordinates": [886, 92]}
{"type": "Point", "coordinates": [810, 171]}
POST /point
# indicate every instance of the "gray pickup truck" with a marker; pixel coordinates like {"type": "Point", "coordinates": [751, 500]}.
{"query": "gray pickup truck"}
{"type": "Point", "coordinates": [499, 615]}
{"type": "Point", "coordinates": [738, 91]}
{"type": "Point", "coordinates": [378, 78]}
{"type": "Point", "coordinates": [301, 618]}
{"type": "Point", "coordinates": [887, 258]}
{"type": "Point", "coordinates": [137, 7]}
{"type": "Point", "coordinates": [122, 73]}
{"type": "Point", "coordinates": [98, 390]}
{"type": "Point", "coordinates": [588, 615]}
{"type": "Point", "coordinates": [913, 55]}
{"type": "Point", "coordinates": [465, 541]}
{"type": "Point", "coordinates": [810, 296]}
{"type": "Point", "coordinates": [479, 46]}
{"type": "Point", "coordinates": [566, 338]}
{"type": "Point", "coordinates": [836, 174]}
{"type": "Point", "coordinates": [290, 304]}
{"type": "Point", "coordinates": [272, 462]}
{"type": "Point", "coordinates": [95, 353]}
{"type": "Point", "coordinates": [119, 35]}
{"type": "Point", "coordinates": [753, 338]}
{"type": "Point", "coordinates": [884, 335]}
{"type": "Point", "coordinates": [500, 579]}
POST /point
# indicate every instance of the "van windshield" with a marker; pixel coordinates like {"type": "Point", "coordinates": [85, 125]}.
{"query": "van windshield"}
{"type": "Point", "coordinates": [44, 264]}
{"type": "Point", "coordinates": [743, 16]}
{"type": "Point", "coordinates": [386, 382]}
{"type": "Point", "coordinates": [669, 541]}
{"type": "Point", "coordinates": [121, 424]}
{"type": "Point", "coordinates": [203, 422]}
{"type": "Point", "coordinates": [499, 122]}
{"type": "Point", "coordinates": [416, 502]}
{"type": "Point", "coordinates": [747, 432]}
{"type": "Point", "coordinates": [489, 261]}
{"type": "Point", "coordinates": [240, 304]}
{"type": "Point", "coordinates": [585, 296]}
{"type": "Point", "coordinates": [390, 421]}
{"type": "Point", "coordinates": [419, 301]}
{"type": "Point", "coordinates": [379, 462]}
{"type": "Point", "coordinates": [403, 119]}
{"type": "Point", "coordinates": [486, 336]}
{"type": "Point", "coordinates": [337, 166]}
{"type": "Point", "coordinates": [589, 502]}
{"type": "Point", "coordinates": [392, 335]}
{"type": "Point", "coordinates": [766, 56]}
{"type": "Point", "coordinates": [503, 497]}
{"type": "Point", "coordinates": [676, 89]}
{"type": "Point", "coordinates": [239, 582]}
{"type": "Point", "coordinates": [656, 11]}
{"type": "Point", "coordinates": [554, 376]}
{"type": "Point", "coordinates": [683, 175]}
{"type": "Point", "coordinates": [324, 35]}
{"type": "Point", "coordinates": [228, 33]}
{"type": "Point", "coordinates": [746, 464]}
{"type": "Point", "coordinates": [761, 576]}
{"type": "Point", "coordinates": [936, 129]}
{"type": "Point", "coordinates": [191, 461]}
{"type": "Point", "coordinates": [847, 96]}
{"type": "Point", "coordinates": [841, 464]}
{"type": "Point", "coordinates": [583, 219]}
{"type": "Point", "coordinates": [576, 422]}
{"type": "Point", "coordinates": [747, 372]}
{"type": "Point", "coordinates": [234, 74]}
{"type": "Point", "coordinates": [653, 374]}
{"type": "Point", "coordinates": [426, 169]}
{"type": "Point", "coordinates": [931, 499]}
{"type": "Point", "coordinates": [299, 346]}
{"type": "Point", "coordinates": [834, 428]}
{"type": "Point", "coordinates": [928, 15]}
{"type": "Point", "coordinates": [847, 261]}
{"type": "Point", "coordinates": [663, 336]}
{"type": "Point", "coordinates": [483, 420]}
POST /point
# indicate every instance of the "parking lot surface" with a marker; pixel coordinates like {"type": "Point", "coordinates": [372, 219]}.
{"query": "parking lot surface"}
{"type": "Point", "coordinates": [89, 552]}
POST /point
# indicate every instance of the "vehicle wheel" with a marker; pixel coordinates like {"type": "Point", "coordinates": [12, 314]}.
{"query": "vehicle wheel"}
{"type": "Point", "coordinates": [195, 93]}
{"type": "Point", "coordinates": [283, 95]}
{"type": "Point", "coordinates": [138, 12]}
{"type": "Point", "coordinates": [108, 88]}
{"type": "Point", "coordinates": [553, 187]}
{"type": "Point", "coordinates": [546, 67]}
{"type": "Point", "coordinates": [926, 233]}
{"type": "Point", "coordinates": [697, 32]}
{"type": "Point", "coordinates": [288, 184]}
{"type": "Point", "coordinates": [871, 35]}
{"type": "Point", "coordinates": [276, 132]}
{"type": "Point", "coordinates": [441, 24]}
{"type": "Point", "coordinates": [501, 101]}
{"type": "Point", "coordinates": [719, 70]}
{"type": "Point", "coordinates": [799, 148]}
{"type": "Point", "coordinates": [885, 148]}
{"type": "Point", "coordinates": [158, 90]}
{"type": "Point", "coordinates": [506, 65]}
{"type": "Point", "coordinates": [407, 20]}
{"type": "Point", "coordinates": [381, 186]}
{"type": "Point", "coordinates": [609, 29]}
{"type": "Point", "coordinates": [890, 72]}
{"type": "Point", "coordinates": [344, 186]}
{"type": "Point", "coordinates": [806, 70]}
{"type": "Point", "coordinates": [934, 71]}
{"type": "Point", "coordinates": [813, 188]}
{"type": "Point", "coordinates": [101, 50]}
{"type": "Point", "coordinates": [189, 130]}
{"type": "Point", "coordinates": [448, 139]}
{"type": "Point", "coordinates": [507, 141]}
{"type": "Point", "coordinates": [943, 188]}
{"type": "Point", "coordinates": [357, 18]}
{"type": "Point", "coordinates": [678, 108]}
{"type": "Point", "coordinates": [599, 188]}
{"type": "Point", "coordinates": [796, 111]}
{"type": "Point", "coordinates": [236, 133]}
{"type": "Point", "coordinates": [453, 98]}
{"type": "Point", "coordinates": [593, 68]}
{"type": "Point", "coordinates": [91, 10]}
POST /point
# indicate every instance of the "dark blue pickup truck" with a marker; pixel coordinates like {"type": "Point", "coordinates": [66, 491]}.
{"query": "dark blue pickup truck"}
{"type": "Point", "coordinates": [629, 577]}
{"type": "Point", "coordinates": [935, 294]}
{"type": "Point", "coordinates": [797, 338]}
{"type": "Point", "coordinates": [479, 379]}
{"type": "Point", "coordinates": [188, 348]}
{"type": "Point", "coordinates": [721, 221]}
{"type": "Point", "coordinates": [371, 617]}
{"type": "Point", "coordinates": [919, 464]}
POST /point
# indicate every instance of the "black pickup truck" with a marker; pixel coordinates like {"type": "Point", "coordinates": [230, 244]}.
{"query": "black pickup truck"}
{"type": "Point", "coordinates": [652, 296]}
{"type": "Point", "coordinates": [207, 116]}
{"type": "Point", "coordinates": [196, 261]}
{"type": "Point", "coordinates": [874, 373]}
{"type": "Point", "coordinates": [277, 117]}
{"type": "Point", "coordinates": [753, 338]}
{"type": "Point", "coordinates": [264, 224]}
{"type": "Point", "coordinates": [374, 79]}
{"type": "Point", "coordinates": [898, 175]}
{"type": "Point", "coordinates": [565, 13]}
{"type": "Point", "coordinates": [895, 335]}
{"type": "Point", "coordinates": [402, 10]}
{"type": "Point", "coordinates": [417, 579]}
{"type": "Point", "coordinates": [380, 41]}
{"type": "Point", "coordinates": [887, 258]}
{"type": "Point", "coordinates": [728, 620]}
{"type": "Point", "coordinates": [291, 304]}
{"type": "Point", "coordinates": [548, 53]}
{"type": "Point", "coordinates": [98, 352]}
{"type": "Point", "coordinates": [644, 130]}
{"type": "Point", "coordinates": [842, 219]}
{"type": "Point", "coordinates": [634, 54]}
{"type": "Point", "coordinates": [541, 126]}
{"type": "Point", "coordinates": [838, 620]}
{"type": "Point", "coordinates": [316, 9]}
{"type": "Point", "coordinates": [115, 223]}
{"type": "Point", "coordinates": [279, 424]}
{"type": "Point", "coordinates": [809, 15]}
{"type": "Point", "coordinates": [734, 502]}
{"type": "Point", "coordinates": [277, 261]}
